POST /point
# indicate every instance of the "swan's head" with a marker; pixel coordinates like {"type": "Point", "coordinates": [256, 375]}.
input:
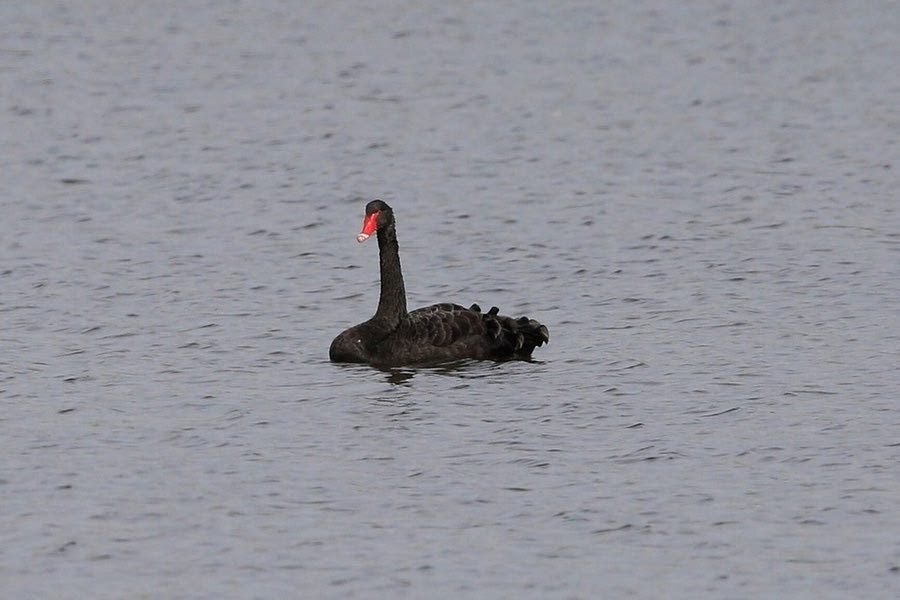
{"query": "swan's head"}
{"type": "Point", "coordinates": [378, 215]}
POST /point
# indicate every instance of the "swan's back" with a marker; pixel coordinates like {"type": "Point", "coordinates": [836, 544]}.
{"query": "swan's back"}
{"type": "Point", "coordinates": [444, 332]}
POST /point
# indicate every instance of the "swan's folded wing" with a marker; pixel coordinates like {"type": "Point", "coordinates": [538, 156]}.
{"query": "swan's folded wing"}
{"type": "Point", "coordinates": [442, 325]}
{"type": "Point", "coordinates": [451, 331]}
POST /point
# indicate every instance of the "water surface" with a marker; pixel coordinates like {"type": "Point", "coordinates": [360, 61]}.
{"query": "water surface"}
{"type": "Point", "coordinates": [700, 202]}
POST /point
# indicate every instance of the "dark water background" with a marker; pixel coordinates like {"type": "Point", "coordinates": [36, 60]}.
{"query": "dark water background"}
{"type": "Point", "coordinates": [701, 202]}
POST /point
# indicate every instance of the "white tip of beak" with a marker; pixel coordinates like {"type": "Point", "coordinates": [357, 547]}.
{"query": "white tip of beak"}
{"type": "Point", "coordinates": [362, 237]}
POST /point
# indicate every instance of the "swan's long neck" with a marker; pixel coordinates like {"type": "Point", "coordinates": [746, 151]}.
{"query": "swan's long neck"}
{"type": "Point", "coordinates": [392, 303]}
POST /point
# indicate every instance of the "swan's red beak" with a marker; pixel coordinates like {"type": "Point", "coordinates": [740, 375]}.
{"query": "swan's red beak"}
{"type": "Point", "coordinates": [370, 224]}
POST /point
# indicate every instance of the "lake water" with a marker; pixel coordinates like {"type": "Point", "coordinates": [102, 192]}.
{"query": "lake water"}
{"type": "Point", "coordinates": [701, 203]}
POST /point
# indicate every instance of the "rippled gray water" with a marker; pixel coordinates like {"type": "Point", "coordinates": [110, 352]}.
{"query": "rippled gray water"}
{"type": "Point", "coordinates": [700, 202]}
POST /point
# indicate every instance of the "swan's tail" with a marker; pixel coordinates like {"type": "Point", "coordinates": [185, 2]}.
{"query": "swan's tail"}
{"type": "Point", "coordinates": [530, 335]}
{"type": "Point", "coordinates": [515, 338]}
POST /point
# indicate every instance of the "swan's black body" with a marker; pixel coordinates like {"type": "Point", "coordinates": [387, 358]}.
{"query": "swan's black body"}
{"type": "Point", "coordinates": [438, 333]}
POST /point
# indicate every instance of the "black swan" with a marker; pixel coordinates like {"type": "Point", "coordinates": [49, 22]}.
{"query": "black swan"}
{"type": "Point", "coordinates": [442, 332]}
